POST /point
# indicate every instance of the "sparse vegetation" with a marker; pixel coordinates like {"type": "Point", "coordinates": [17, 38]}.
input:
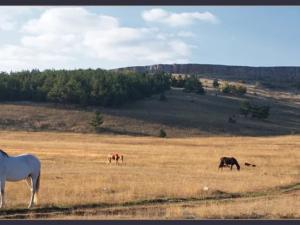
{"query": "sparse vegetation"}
{"type": "Point", "coordinates": [260, 112]}
{"type": "Point", "coordinates": [193, 84]}
{"type": "Point", "coordinates": [233, 89]}
{"type": "Point", "coordinates": [196, 114]}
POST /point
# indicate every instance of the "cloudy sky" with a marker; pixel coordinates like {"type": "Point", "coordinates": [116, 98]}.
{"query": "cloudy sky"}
{"type": "Point", "coordinates": [111, 37]}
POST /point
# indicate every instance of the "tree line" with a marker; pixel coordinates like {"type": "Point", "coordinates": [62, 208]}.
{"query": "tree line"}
{"type": "Point", "coordinates": [85, 87]}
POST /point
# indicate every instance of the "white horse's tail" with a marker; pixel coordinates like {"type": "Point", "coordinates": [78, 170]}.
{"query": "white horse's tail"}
{"type": "Point", "coordinates": [37, 188]}
{"type": "Point", "coordinates": [38, 183]}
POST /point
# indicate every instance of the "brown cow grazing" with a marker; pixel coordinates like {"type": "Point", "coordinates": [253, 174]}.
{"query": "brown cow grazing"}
{"type": "Point", "coordinates": [115, 156]}
{"type": "Point", "coordinates": [229, 162]}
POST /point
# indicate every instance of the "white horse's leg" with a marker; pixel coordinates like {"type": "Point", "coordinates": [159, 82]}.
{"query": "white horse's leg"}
{"type": "Point", "coordinates": [2, 193]}
{"type": "Point", "coordinates": [33, 189]}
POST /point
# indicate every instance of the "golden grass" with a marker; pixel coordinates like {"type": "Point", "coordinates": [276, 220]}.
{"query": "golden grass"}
{"type": "Point", "coordinates": [272, 207]}
{"type": "Point", "coordinates": [283, 206]}
{"type": "Point", "coordinates": [75, 170]}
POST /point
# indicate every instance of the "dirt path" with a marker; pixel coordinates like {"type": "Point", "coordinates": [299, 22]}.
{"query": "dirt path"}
{"type": "Point", "coordinates": [137, 206]}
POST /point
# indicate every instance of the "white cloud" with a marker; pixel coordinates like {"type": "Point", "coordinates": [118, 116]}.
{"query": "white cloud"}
{"type": "Point", "coordinates": [65, 37]}
{"type": "Point", "coordinates": [69, 20]}
{"type": "Point", "coordinates": [186, 34]}
{"type": "Point", "coordinates": [177, 19]}
{"type": "Point", "coordinates": [9, 16]}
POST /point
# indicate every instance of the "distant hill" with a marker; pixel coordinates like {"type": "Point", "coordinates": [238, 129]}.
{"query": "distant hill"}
{"type": "Point", "coordinates": [289, 74]}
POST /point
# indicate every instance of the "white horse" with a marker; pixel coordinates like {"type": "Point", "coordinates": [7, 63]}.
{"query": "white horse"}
{"type": "Point", "coordinates": [15, 168]}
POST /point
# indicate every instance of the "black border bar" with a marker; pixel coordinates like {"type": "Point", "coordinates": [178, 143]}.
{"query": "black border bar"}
{"type": "Point", "coordinates": [151, 222]}
{"type": "Point", "coordinates": [150, 2]}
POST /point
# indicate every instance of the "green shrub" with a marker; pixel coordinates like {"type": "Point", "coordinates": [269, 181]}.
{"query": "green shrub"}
{"type": "Point", "coordinates": [162, 133]}
{"type": "Point", "coordinates": [259, 112]}
{"type": "Point", "coordinates": [97, 121]}
{"type": "Point", "coordinates": [225, 88]}
{"type": "Point", "coordinates": [192, 84]}
{"type": "Point", "coordinates": [233, 89]}
{"type": "Point", "coordinates": [216, 83]}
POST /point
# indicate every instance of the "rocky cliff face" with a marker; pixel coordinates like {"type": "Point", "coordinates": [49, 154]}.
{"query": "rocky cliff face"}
{"type": "Point", "coordinates": [279, 74]}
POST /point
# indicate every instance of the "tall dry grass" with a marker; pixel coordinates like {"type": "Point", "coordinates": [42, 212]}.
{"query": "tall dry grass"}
{"type": "Point", "coordinates": [75, 169]}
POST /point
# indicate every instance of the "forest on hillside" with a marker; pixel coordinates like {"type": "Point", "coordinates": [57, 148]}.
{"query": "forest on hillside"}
{"type": "Point", "coordinates": [85, 87]}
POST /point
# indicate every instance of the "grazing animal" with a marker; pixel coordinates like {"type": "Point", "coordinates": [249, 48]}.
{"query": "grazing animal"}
{"type": "Point", "coordinates": [16, 168]}
{"type": "Point", "coordinates": [229, 162]}
{"type": "Point", "coordinates": [115, 156]}
{"type": "Point", "coordinates": [249, 164]}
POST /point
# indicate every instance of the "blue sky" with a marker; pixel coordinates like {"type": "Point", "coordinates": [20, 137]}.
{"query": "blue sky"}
{"type": "Point", "coordinates": [117, 36]}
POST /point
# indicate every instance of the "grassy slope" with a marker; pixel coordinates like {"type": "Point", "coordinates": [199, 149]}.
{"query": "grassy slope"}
{"type": "Point", "coordinates": [183, 114]}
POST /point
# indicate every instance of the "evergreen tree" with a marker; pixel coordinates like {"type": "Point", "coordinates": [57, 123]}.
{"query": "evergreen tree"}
{"type": "Point", "coordinates": [97, 121]}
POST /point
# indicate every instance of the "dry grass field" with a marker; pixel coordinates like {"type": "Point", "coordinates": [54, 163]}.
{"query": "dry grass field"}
{"type": "Point", "coordinates": [160, 178]}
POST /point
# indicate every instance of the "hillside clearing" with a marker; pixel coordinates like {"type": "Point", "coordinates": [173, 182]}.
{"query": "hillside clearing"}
{"type": "Point", "coordinates": [182, 115]}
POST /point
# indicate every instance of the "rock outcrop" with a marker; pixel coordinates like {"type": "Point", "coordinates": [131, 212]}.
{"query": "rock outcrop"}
{"type": "Point", "coordinates": [277, 74]}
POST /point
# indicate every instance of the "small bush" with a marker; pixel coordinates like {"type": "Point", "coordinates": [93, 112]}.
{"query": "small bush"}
{"type": "Point", "coordinates": [162, 133]}
{"type": "Point", "coordinates": [233, 89]}
{"type": "Point", "coordinates": [216, 83]}
{"type": "Point", "coordinates": [259, 112]}
{"type": "Point", "coordinates": [192, 84]}
{"type": "Point", "coordinates": [97, 121]}
{"type": "Point", "coordinates": [225, 88]}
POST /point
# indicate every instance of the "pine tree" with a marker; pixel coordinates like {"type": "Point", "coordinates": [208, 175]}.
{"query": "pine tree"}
{"type": "Point", "coordinates": [97, 121]}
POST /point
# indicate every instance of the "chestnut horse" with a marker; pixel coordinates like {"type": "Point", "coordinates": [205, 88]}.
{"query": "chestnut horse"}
{"type": "Point", "coordinates": [229, 162]}
{"type": "Point", "coordinates": [115, 156]}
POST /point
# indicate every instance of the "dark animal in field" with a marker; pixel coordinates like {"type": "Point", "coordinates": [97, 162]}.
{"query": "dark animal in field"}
{"type": "Point", "coordinates": [229, 162]}
{"type": "Point", "coordinates": [249, 164]}
{"type": "Point", "coordinates": [116, 157]}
